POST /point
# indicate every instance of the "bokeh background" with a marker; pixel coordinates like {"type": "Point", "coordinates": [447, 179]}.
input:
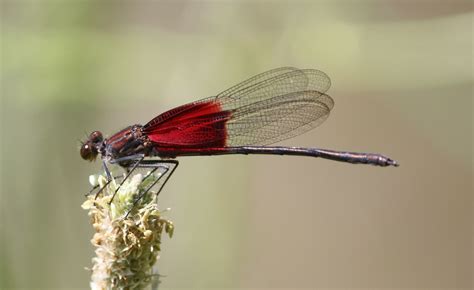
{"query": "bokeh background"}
{"type": "Point", "coordinates": [402, 75]}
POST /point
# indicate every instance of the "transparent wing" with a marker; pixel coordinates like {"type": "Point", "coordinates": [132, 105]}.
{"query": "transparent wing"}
{"type": "Point", "coordinates": [278, 118]}
{"type": "Point", "coordinates": [267, 108]}
{"type": "Point", "coordinates": [276, 82]}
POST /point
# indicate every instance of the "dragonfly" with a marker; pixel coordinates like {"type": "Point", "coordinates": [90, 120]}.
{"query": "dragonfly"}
{"type": "Point", "coordinates": [245, 119]}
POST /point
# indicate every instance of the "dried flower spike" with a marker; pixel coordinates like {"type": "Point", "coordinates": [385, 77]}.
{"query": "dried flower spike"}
{"type": "Point", "coordinates": [126, 248]}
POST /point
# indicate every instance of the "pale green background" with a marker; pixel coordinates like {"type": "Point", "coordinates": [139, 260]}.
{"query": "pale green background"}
{"type": "Point", "coordinates": [402, 75]}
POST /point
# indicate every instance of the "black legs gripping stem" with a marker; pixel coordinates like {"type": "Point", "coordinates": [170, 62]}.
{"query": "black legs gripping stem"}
{"type": "Point", "coordinates": [166, 168]}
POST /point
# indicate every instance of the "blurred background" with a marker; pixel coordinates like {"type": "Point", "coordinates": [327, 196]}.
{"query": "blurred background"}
{"type": "Point", "coordinates": [402, 80]}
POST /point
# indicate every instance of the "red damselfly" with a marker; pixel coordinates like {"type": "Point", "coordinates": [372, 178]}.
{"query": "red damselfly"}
{"type": "Point", "coordinates": [267, 108]}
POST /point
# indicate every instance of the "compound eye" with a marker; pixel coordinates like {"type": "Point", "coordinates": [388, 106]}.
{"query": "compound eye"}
{"type": "Point", "coordinates": [88, 152]}
{"type": "Point", "coordinates": [96, 137]}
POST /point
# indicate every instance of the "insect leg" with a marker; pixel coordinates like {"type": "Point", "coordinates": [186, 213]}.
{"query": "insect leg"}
{"type": "Point", "coordinates": [138, 158]}
{"type": "Point", "coordinates": [97, 186]}
{"type": "Point", "coordinates": [109, 179]}
{"type": "Point", "coordinates": [168, 166]}
{"type": "Point", "coordinates": [173, 164]}
{"type": "Point", "coordinates": [109, 175]}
